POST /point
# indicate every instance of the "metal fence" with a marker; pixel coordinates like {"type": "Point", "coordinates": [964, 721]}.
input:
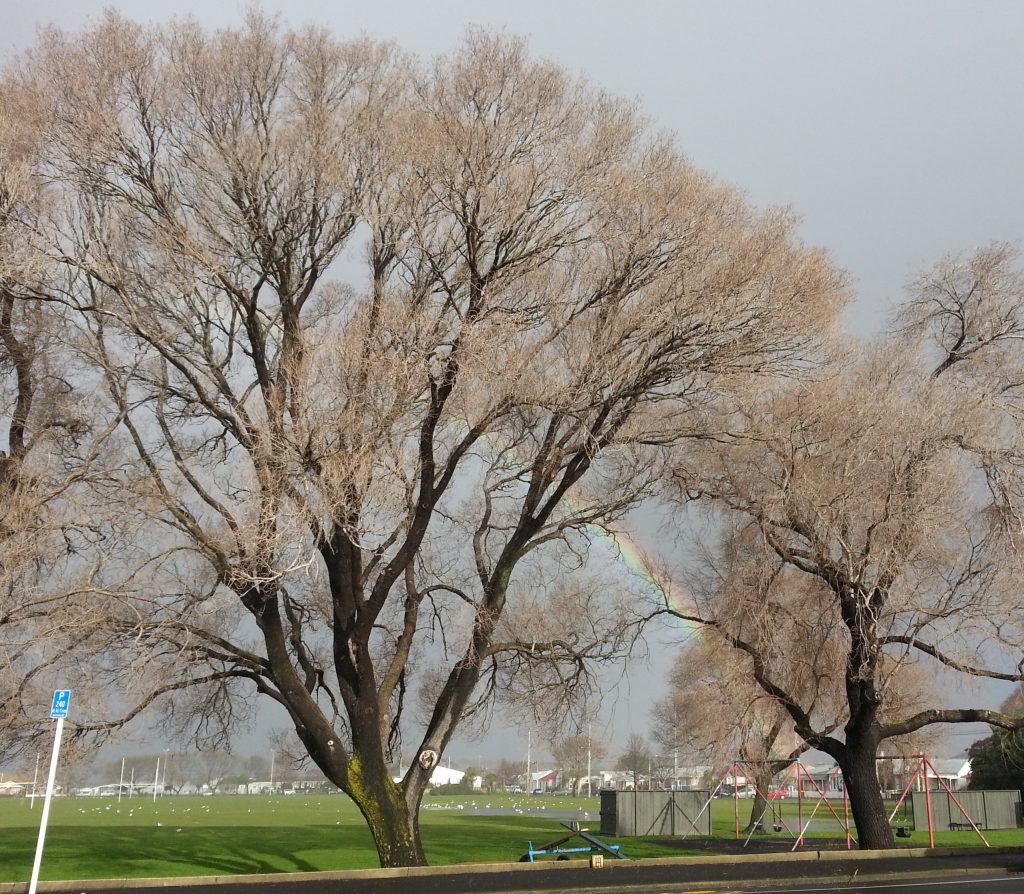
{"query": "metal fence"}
{"type": "Point", "coordinates": [655, 813]}
{"type": "Point", "coordinates": [988, 809]}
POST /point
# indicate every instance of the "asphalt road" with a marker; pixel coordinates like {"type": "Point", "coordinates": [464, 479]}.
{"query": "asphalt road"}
{"type": "Point", "coordinates": [982, 884]}
{"type": "Point", "coordinates": [997, 873]}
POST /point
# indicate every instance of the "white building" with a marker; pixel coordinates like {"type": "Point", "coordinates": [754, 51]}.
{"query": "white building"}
{"type": "Point", "coordinates": [446, 776]}
{"type": "Point", "coordinates": [955, 772]}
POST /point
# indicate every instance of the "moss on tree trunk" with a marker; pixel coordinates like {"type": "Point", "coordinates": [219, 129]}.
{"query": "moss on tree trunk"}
{"type": "Point", "coordinates": [393, 824]}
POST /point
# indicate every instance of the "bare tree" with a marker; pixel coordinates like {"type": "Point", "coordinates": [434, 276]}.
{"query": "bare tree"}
{"type": "Point", "coordinates": [889, 490]}
{"type": "Point", "coordinates": [175, 769]}
{"type": "Point", "coordinates": [212, 766]}
{"type": "Point", "coordinates": [638, 758]}
{"type": "Point", "coordinates": [345, 481]}
{"type": "Point", "coordinates": [511, 771]}
{"type": "Point", "coordinates": [575, 754]}
{"type": "Point", "coordinates": [53, 578]}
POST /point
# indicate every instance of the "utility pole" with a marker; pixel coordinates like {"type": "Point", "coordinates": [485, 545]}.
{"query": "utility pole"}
{"type": "Point", "coordinates": [675, 748]}
{"type": "Point", "coordinates": [529, 745]}
{"type": "Point", "coordinates": [589, 791]}
{"type": "Point", "coordinates": [35, 779]}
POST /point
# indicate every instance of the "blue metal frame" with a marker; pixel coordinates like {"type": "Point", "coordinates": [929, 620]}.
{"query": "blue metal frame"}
{"type": "Point", "coordinates": [555, 847]}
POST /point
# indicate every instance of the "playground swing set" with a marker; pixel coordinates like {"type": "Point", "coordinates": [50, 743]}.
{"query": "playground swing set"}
{"type": "Point", "coordinates": [922, 771]}
{"type": "Point", "coordinates": [805, 783]}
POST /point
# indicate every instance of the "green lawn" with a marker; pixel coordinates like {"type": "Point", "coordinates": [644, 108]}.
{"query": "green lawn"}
{"type": "Point", "coordinates": [99, 838]}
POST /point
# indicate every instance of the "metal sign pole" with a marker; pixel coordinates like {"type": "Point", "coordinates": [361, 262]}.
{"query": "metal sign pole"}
{"type": "Point", "coordinates": [59, 709]}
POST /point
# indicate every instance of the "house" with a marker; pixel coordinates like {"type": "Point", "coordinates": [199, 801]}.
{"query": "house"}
{"type": "Point", "coordinates": [691, 777]}
{"type": "Point", "coordinates": [954, 772]}
{"type": "Point", "coordinates": [621, 780]}
{"type": "Point", "coordinates": [585, 785]}
{"type": "Point", "coordinates": [544, 781]}
{"type": "Point", "coordinates": [826, 778]}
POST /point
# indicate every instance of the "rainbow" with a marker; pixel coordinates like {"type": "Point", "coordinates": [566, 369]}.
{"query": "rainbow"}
{"type": "Point", "coordinates": [627, 551]}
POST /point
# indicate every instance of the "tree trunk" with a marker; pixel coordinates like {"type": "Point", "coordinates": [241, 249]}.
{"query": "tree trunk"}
{"type": "Point", "coordinates": [758, 810]}
{"type": "Point", "coordinates": [394, 825]}
{"type": "Point", "coordinates": [860, 776]}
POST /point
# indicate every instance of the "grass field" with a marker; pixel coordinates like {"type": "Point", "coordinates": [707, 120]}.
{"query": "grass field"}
{"type": "Point", "coordinates": [177, 836]}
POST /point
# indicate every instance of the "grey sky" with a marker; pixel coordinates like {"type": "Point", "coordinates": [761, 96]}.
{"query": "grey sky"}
{"type": "Point", "coordinates": [895, 129]}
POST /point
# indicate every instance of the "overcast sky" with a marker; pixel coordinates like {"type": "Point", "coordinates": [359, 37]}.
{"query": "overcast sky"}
{"type": "Point", "coordinates": [895, 129]}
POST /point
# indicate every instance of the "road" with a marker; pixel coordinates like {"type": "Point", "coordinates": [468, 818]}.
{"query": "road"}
{"type": "Point", "coordinates": [982, 884]}
{"type": "Point", "coordinates": [975, 874]}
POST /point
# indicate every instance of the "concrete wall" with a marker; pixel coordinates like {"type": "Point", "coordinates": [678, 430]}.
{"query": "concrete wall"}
{"type": "Point", "coordinates": [655, 813]}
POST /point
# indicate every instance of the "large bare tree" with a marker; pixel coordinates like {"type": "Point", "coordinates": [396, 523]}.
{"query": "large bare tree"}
{"type": "Point", "coordinates": [52, 551]}
{"type": "Point", "coordinates": [889, 488]}
{"type": "Point", "coordinates": [386, 340]}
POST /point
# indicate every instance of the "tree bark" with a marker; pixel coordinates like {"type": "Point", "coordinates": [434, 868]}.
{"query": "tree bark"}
{"type": "Point", "coordinates": [860, 776]}
{"type": "Point", "coordinates": [393, 823]}
{"type": "Point", "coordinates": [758, 810]}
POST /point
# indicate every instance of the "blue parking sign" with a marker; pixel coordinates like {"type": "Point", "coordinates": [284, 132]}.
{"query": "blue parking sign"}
{"type": "Point", "coordinates": [61, 700]}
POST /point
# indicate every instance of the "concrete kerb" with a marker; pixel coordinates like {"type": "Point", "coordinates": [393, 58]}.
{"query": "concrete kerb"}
{"type": "Point", "coordinates": [485, 868]}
